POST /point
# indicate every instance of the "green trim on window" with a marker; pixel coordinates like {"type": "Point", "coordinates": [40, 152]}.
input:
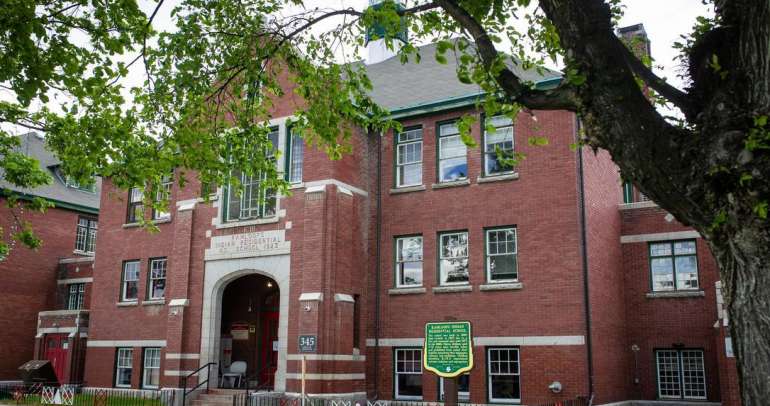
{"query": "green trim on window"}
{"type": "Point", "coordinates": [673, 263]}
{"type": "Point", "coordinates": [437, 156]}
{"type": "Point", "coordinates": [395, 154]}
{"type": "Point", "coordinates": [628, 192]}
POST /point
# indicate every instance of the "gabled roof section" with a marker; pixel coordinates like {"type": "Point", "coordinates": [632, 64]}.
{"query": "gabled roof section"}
{"type": "Point", "coordinates": [58, 192]}
{"type": "Point", "coordinates": [402, 88]}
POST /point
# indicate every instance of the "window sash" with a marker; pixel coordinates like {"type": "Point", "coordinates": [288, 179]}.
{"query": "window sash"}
{"type": "Point", "coordinates": [151, 368]}
{"type": "Point", "coordinates": [76, 296]}
{"type": "Point", "coordinates": [124, 367]}
{"type": "Point", "coordinates": [252, 203]}
{"type": "Point", "coordinates": [503, 137]}
{"type": "Point", "coordinates": [135, 205]}
{"type": "Point", "coordinates": [493, 252]}
{"type": "Point", "coordinates": [157, 285]}
{"type": "Point", "coordinates": [409, 158]}
{"type": "Point", "coordinates": [503, 362]}
{"type": "Point", "coordinates": [130, 282]}
{"type": "Point", "coordinates": [453, 261]}
{"type": "Point", "coordinates": [680, 374]}
{"type": "Point", "coordinates": [407, 362]}
{"type": "Point", "coordinates": [453, 157]}
{"type": "Point", "coordinates": [296, 157]}
{"type": "Point", "coordinates": [85, 237]}
{"type": "Point", "coordinates": [163, 192]}
{"type": "Point", "coordinates": [409, 263]}
{"type": "Point", "coordinates": [668, 269]}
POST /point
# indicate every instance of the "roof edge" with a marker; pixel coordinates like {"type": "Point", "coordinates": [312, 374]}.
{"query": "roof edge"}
{"type": "Point", "coordinates": [57, 203]}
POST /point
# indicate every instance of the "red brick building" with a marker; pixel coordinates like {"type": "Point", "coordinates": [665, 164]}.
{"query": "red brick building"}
{"type": "Point", "coordinates": [573, 282]}
{"type": "Point", "coordinates": [45, 293]}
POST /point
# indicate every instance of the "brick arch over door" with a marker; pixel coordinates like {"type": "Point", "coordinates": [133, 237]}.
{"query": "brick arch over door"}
{"type": "Point", "coordinates": [218, 275]}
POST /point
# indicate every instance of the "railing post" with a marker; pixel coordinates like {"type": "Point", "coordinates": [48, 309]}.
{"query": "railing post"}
{"type": "Point", "coordinates": [184, 390]}
{"type": "Point", "coordinates": [208, 376]}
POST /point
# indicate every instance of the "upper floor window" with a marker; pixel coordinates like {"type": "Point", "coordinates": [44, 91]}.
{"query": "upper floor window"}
{"type": "Point", "coordinates": [85, 240]}
{"type": "Point", "coordinates": [124, 366]}
{"type": "Point", "coordinates": [408, 370]}
{"type": "Point", "coordinates": [498, 144]}
{"type": "Point", "coordinates": [129, 288]}
{"type": "Point", "coordinates": [452, 154]}
{"type": "Point", "coordinates": [156, 285]}
{"type": "Point", "coordinates": [76, 296]}
{"type": "Point", "coordinates": [408, 261]}
{"type": "Point", "coordinates": [674, 265]}
{"type": "Point", "coordinates": [504, 383]}
{"type": "Point", "coordinates": [252, 201]}
{"type": "Point", "coordinates": [296, 155]}
{"type": "Point", "coordinates": [69, 181]}
{"type": "Point", "coordinates": [163, 193]}
{"type": "Point", "coordinates": [409, 158]}
{"type": "Point", "coordinates": [453, 258]}
{"type": "Point", "coordinates": [135, 205]}
{"type": "Point", "coordinates": [501, 255]}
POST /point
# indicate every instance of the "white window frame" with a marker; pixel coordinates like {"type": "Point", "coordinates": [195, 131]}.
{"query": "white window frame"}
{"type": "Point", "coordinates": [154, 277]}
{"type": "Point", "coordinates": [442, 138]}
{"type": "Point", "coordinates": [682, 379]}
{"type": "Point", "coordinates": [442, 257]}
{"type": "Point", "coordinates": [508, 123]}
{"type": "Point", "coordinates": [396, 372]}
{"type": "Point", "coordinates": [296, 157]}
{"type": "Point", "coordinates": [85, 238]}
{"type": "Point", "coordinates": [489, 256]}
{"type": "Point", "coordinates": [135, 204]}
{"type": "Point", "coordinates": [490, 374]}
{"type": "Point", "coordinates": [124, 354]}
{"type": "Point", "coordinates": [124, 282]}
{"type": "Point", "coordinates": [163, 192]}
{"type": "Point", "coordinates": [76, 292]}
{"type": "Point", "coordinates": [406, 143]}
{"type": "Point", "coordinates": [148, 366]}
{"type": "Point", "coordinates": [400, 261]}
{"type": "Point", "coordinates": [673, 256]}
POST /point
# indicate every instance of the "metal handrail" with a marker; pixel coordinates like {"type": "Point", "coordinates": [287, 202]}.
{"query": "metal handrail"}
{"type": "Point", "coordinates": [184, 381]}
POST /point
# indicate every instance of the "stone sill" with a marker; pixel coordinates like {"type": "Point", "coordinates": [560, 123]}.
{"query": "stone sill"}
{"type": "Point", "coordinates": [406, 291]}
{"type": "Point", "coordinates": [83, 253]}
{"type": "Point", "coordinates": [159, 302]}
{"type": "Point", "coordinates": [498, 178]}
{"type": "Point", "coordinates": [156, 222]}
{"type": "Point", "coordinates": [269, 220]}
{"type": "Point", "coordinates": [453, 289]}
{"type": "Point", "coordinates": [454, 183]}
{"type": "Point", "coordinates": [665, 295]}
{"type": "Point", "coordinates": [502, 286]}
{"type": "Point", "coordinates": [407, 189]}
{"type": "Point", "coordinates": [637, 205]}
{"type": "Point", "coordinates": [62, 312]}
{"type": "Point", "coordinates": [127, 304]}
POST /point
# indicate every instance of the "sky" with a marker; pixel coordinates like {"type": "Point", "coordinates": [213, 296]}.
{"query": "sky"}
{"type": "Point", "coordinates": [664, 22]}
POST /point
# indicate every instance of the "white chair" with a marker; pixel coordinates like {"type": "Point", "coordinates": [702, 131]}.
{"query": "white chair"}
{"type": "Point", "coordinates": [237, 372]}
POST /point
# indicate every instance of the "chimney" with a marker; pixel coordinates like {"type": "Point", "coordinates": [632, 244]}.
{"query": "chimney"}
{"type": "Point", "coordinates": [377, 51]}
{"type": "Point", "coordinates": [636, 37]}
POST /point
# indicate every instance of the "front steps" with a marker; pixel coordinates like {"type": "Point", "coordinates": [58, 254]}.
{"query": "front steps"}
{"type": "Point", "coordinates": [217, 397]}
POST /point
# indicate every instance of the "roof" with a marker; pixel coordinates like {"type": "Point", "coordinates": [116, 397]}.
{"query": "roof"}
{"type": "Point", "coordinates": [57, 191]}
{"type": "Point", "coordinates": [398, 87]}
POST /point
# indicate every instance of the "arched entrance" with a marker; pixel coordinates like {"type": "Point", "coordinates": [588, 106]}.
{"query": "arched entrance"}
{"type": "Point", "coordinates": [249, 331]}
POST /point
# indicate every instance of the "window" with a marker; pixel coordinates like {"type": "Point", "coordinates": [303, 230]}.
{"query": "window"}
{"type": "Point", "coordinates": [151, 370]}
{"type": "Point", "coordinates": [503, 375]}
{"type": "Point", "coordinates": [674, 265]}
{"type": "Point", "coordinates": [409, 158]}
{"type": "Point", "coordinates": [408, 261]}
{"type": "Point", "coordinates": [163, 193]}
{"type": "Point", "coordinates": [501, 255]}
{"type": "Point", "coordinates": [69, 181]}
{"type": "Point", "coordinates": [85, 240]}
{"type": "Point", "coordinates": [463, 388]}
{"type": "Point", "coordinates": [296, 155]}
{"type": "Point", "coordinates": [76, 296]}
{"type": "Point", "coordinates": [157, 281]}
{"type": "Point", "coordinates": [498, 144]}
{"type": "Point", "coordinates": [123, 367]}
{"type": "Point", "coordinates": [628, 192]}
{"type": "Point", "coordinates": [130, 282]}
{"type": "Point", "coordinates": [135, 205]}
{"type": "Point", "coordinates": [356, 321]}
{"type": "Point", "coordinates": [253, 201]}
{"type": "Point", "coordinates": [408, 373]}
{"type": "Point", "coordinates": [453, 258]}
{"type": "Point", "coordinates": [452, 159]}
{"type": "Point", "coordinates": [681, 374]}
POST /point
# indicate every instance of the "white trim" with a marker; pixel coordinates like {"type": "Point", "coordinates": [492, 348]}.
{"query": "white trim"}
{"type": "Point", "coordinates": [676, 235]}
{"type": "Point", "coordinates": [61, 312]}
{"type": "Point", "coordinates": [488, 341]}
{"type": "Point", "coordinates": [315, 189]}
{"type": "Point", "coordinates": [311, 297]}
{"type": "Point", "coordinates": [334, 396]}
{"type": "Point", "coordinates": [174, 372]}
{"type": "Point", "coordinates": [179, 302]}
{"type": "Point", "coordinates": [183, 355]}
{"type": "Point", "coordinates": [326, 357]}
{"type": "Point", "coordinates": [344, 297]}
{"type": "Point", "coordinates": [74, 280]}
{"type": "Point", "coordinates": [327, 377]}
{"type": "Point", "coordinates": [126, 343]}
{"type": "Point", "coordinates": [637, 205]}
{"type": "Point", "coordinates": [181, 203]}
{"type": "Point", "coordinates": [344, 191]}
{"type": "Point", "coordinates": [56, 330]}
{"type": "Point", "coordinates": [89, 258]}
{"type": "Point", "coordinates": [337, 183]}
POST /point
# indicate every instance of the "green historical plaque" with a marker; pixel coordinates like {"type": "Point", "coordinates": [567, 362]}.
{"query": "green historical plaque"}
{"type": "Point", "coordinates": [448, 348]}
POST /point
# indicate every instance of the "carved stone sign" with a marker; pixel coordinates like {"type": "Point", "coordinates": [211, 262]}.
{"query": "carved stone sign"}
{"type": "Point", "coordinates": [260, 243]}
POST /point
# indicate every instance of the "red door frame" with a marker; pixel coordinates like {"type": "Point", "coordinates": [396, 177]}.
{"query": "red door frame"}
{"type": "Point", "coordinates": [269, 357]}
{"type": "Point", "coordinates": [57, 354]}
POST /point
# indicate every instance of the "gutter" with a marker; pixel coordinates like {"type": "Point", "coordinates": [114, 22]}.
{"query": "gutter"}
{"type": "Point", "coordinates": [57, 203]}
{"type": "Point", "coordinates": [584, 260]}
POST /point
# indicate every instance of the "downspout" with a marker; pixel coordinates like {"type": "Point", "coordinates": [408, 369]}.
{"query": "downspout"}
{"type": "Point", "coordinates": [584, 258]}
{"type": "Point", "coordinates": [377, 282]}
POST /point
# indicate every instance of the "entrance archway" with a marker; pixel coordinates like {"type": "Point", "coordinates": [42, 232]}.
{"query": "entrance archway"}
{"type": "Point", "coordinates": [249, 331]}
